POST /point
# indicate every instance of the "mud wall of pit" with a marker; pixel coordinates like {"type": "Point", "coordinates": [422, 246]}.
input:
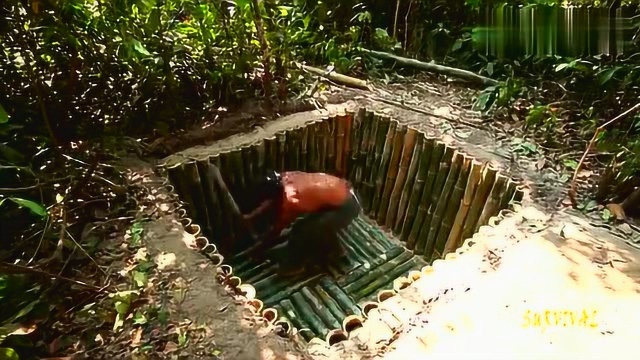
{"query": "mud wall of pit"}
{"type": "Point", "coordinates": [421, 200]}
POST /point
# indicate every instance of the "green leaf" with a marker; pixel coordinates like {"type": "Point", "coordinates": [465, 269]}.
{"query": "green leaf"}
{"type": "Point", "coordinates": [8, 354]}
{"type": "Point", "coordinates": [4, 117]}
{"type": "Point", "coordinates": [137, 46]}
{"type": "Point", "coordinates": [606, 215]}
{"type": "Point", "coordinates": [140, 278]}
{"type": "Point", "coordinates": [570, 163]}
{"type": "Point", "coordinates": [606, 75]}
{"type": "Point", "coordinates": [139, 318]}
{"type": "Point", "coordinates": [561, 67]}
{"type": "Point", "coordinates": [35, 208]}
{"type": "Point", "coordinates": [490, 69]}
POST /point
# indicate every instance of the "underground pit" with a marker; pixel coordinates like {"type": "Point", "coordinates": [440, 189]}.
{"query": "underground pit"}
{"type": "Point", "coordinates": [421, 199]}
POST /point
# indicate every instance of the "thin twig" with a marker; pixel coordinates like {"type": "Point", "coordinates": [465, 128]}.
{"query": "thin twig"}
{"type": "Point", "coordinates": [573, 191]}
{"type": "Point", "coordinates": [28, 270]}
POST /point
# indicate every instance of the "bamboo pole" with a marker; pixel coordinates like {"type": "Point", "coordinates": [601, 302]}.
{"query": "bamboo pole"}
{"type": "Point", "coordinates": [373, 274]}
{"type": "Point", "coordinates": [455, 236]}
{"type": "Point", "coordinates": [367, 240]}
{"type": "Point", "coordinates": [273, 297]}
{"type": "Point", "coordinates": [441, 158]}
{"type": "Point", "coordinates": [492, 206]}
{"type": "Point", "coordinates": [271, 153]}
{"type": "Point", "coordinates": [477, 205]}
{"type": "Point", "coordinates": [192, 178]}
{"type": "Point", "coordinates": [211, 198]}
{"type": "Point", "coordinates": [417, 191]}
{"type": "Point", "coordinates": [349, 119]}
{"type": "Point", "coordinates": [375, 263]}
{"type": "Point", "coordinates": [441, 203]}
{"type": "Point", "coordinates": [294, 148]}
{"type": "Point", "coordinates": [508, 194]}
{"type": "Point", "coordinates": [258, 154]}
{"type": "Point", "coordinates": [248, 163]}
{"type": "Point", "coordinates": [346, 303]}
{"type": "Point", "coordinates": [304, 149]}
{"type": "Point", "coordinates": [444, 228]}
{"type": "Point", "coordinates": [228, 219]}
{"type": "Point", "coordinates": [382, 169]}
{"type": "Point", "coordinates": [323, 134]}
{"type": "Point", "coordinates": [407, 188]}
{"type": "Point", "coordinates": [320, 309]}
{"type": "Point", "coordinates": [299, 323]}
{"type": "Point", "coordinates": [175, 174]}
{"type": "Point", "coordinates": [313, 156]}
{"type": "Point", "coordinates": [238, 170]}
{"type": "Point", "coordinates": [331, 304]}
{"type": "Point", "coordinates": [330, 165]}
{"type": "Point", "coordinates": [363, 253]}
{"type": "Point", "coordinates": [368, 175]}
{"type": "Point", "coordinates": [384, 278]}
{"type": "Point", "coordinates": [340, 126]}
{"type": "Point", "coordinates": [282, 151]}
{"type": "Point", "coordinates": [366, 229]}
{"type": "Point", "coordinates": [408, 147]}
{"type": "Point", "coordinates": [356, 136]}
{"type": "Point", "coordinates": [308, 315]}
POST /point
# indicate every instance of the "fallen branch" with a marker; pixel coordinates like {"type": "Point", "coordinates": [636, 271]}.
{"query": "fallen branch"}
{"type": "Point", "coordinates": [338, 78]}
{"type": "Point", "coordinates": [572, 190]}
{"type": "Point", "coordinates": [439, 69]}
{"type": "Point", "coordinates": [18, 269]}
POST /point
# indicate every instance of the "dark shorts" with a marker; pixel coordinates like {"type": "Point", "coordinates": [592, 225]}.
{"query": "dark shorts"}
{"type": "Point", "coordinates": [314, 237]}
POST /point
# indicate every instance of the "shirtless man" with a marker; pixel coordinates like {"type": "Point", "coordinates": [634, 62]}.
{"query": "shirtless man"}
{"type": "Point", "coordinates": [318, 205]}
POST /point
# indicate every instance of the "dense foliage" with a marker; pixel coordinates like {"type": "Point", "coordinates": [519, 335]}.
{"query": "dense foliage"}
{"type": "Point", "coordinates": [84, 80]}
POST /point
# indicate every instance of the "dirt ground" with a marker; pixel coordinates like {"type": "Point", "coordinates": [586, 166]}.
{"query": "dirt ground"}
{"type": "Point", "coordinates": [530, 288]}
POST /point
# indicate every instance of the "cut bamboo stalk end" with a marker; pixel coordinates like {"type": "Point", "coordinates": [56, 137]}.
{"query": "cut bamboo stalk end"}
{"type": "Point", "coordinates": [255, 305]}
{"type": "Point", "coordinates": [336, 336]}
{"type": "Point", "coordinates": [385, 294]}
{"type": "Point", "coordinates": [367, 307]}
{"type": "Point", "coordinates": [401, 283]}
{"type": "Point", "coordinates": [270, 315]}
{"type": "Point", "coordinates": [351, 323]}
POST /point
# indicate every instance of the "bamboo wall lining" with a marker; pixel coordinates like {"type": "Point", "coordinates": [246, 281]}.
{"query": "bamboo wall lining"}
{"type": "Point", "coordinates": [430, 196]}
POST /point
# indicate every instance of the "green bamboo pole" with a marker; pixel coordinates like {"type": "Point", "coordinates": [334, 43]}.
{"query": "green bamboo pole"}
{"type": "Point", "coordinates": [272, 297]}
{"type": "Point", "coordinates": [176, 176]}
{"type": "Point", "coordinates": [271, 153]}
{"type": "Point", "coordinates": [455, 236]}
{"type": "Point", "coordinates": [252, 270]}
{"type": "Point", "coordinates": [228, 219]}
{"type": "Point", "coordinates": [190, 171]}
{"type": "Point", "coordinates": [408, 185]}
{"type": "Point", "coordinates": [408, 147]}
{"type": "Point", "coordinates": [330, 165]}
{"type": "Point", "coordinates": [298, 322]}
{"type": "Point", "coordinates": [238, 170]}
{"type": "Point", "coordinates": [438, 169]}
{"type": "Point", "coordinates": [492, 206]}
{"type": "Point", "coordinates": [282, 151]}
{"type": "Point", "coordinates": [384, 278]}
{"type": "Point", "coordinates": [324, 132]}
{"type": "Point", "coordinates": [480, 198]}
{"type": "Point", "coordinates": [346, 303]}
{"type": "Point", "coordinates": [417, 191]}
{"type": "Point", "coordinates": [304, 149]}
{"type": "Point", "coordinates": [308, 315]}
{"type": "Point", "coordinates": [367, 240]}
{"type": "Point", "coordinates": [355, 286]}
{"type": "Point", "coordinates": [373, 233]}
{"type": "Point", "coordinates": [349, 118]}
{"type": "Point", "coordinates": [248, 163]}
{"type": "Point", "coordinates": [313, 155]}
{"type": "Point", "coordinates": [260, 274]}
{"type": "Point", "coordinates": [319, 308]}
{"type": "Point", "coordinates": [444, 228]}
{"type": "Point", "coordinates": [368, 172]}
{"type": "Point", "coordinates": [340, 136]}
{"type": "Point", "coordinates": [292, 149]}
{"type": "Point", "coordinates": [375, 263]}
{"type": "Point", "coordinates": [329, 302]}
{"type": "Point", "coordinates": [355, 141]}
{"type": "Point", "coordinates": [441, 203]}
{"type": "Point", "coordinates": [210, 197]}
{"type": "Point", "coordinates": [382, 169]}
{"type": "Point", "coordinates": [258, 154]}
{"type": "Point", "coordinates": [362, 249]}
